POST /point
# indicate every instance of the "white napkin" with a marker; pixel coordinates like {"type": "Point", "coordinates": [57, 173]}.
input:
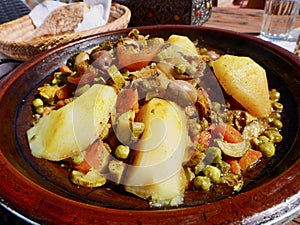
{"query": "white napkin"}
{"type": "Point", "coordinates": [97, 15]}
{"type": "Point", "coordinates": [91, 18]}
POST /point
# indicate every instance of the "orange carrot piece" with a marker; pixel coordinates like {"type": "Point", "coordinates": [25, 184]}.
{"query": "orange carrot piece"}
{"type": "Point", "coordinates": [234, 166]}
{"type": "Point", "coordinates": [93, 158]}
{"type": "Point", "coordinates": [65, 69]}
{"type": "Point", "coordinates": [63, 92]}
{"type": "Point", "coordinates": [251, 157]}
{"type": "Point", "coordinates": [231, 135]}
{"type": "Point", "coordinates": [132, 60]}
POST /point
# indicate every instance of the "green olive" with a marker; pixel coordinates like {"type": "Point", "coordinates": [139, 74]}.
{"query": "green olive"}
{"type": "Point", "coordinates": [202, 182]}
{"type": "Point", "coordinates": [267, 149]}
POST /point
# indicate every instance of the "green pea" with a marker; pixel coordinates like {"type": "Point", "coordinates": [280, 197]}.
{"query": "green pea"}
{"type": "Point", "coordinates": [267, 149]}
{"type": "Point", "coordinates": [213, 173]}
{"type": "Point", "coordinates": [277, 123]}
{"type": "Point", "coordinates": [277, 106]}
{"type": "Point", "coordinates": [202, 182]}
{"type": "Point", "coordinates": [39, 110]}
{"type": "Point", "coordinates": [273, 135]}
{"type": "Point", "coordinates": [37, 103]}
{"type": "Point", "coordinates": [274, 95]}
{"type": "Point", "coordinates": [122, 151]}
{"type": "Point", "coordinates": [275, 115]}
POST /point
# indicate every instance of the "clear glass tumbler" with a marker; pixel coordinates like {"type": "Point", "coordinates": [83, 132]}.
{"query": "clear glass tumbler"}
{"type": "Point", "coordinates": [278, 18]}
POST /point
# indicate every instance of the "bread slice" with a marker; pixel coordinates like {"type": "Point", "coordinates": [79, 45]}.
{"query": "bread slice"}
{"type": "Point", "coordinates": [62, 20]}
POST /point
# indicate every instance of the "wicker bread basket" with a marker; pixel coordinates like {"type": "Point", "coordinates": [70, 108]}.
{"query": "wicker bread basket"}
{"type": "Point", "coordinates": [16, 41]}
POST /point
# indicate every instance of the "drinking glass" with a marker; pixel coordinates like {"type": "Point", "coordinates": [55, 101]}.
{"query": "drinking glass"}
{"type": "Point", "coordinates": [278, 18]}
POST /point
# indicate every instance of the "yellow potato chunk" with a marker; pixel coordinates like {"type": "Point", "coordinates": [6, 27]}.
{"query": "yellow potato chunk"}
{"type": "Point", "coordinates": [245, 81]}
{"type": "Point", "coordinates": [71, 129]}
{"type": "Point", "coordinates": [184, 43]}
{"type": "Point", "coordinates": [156, 173]}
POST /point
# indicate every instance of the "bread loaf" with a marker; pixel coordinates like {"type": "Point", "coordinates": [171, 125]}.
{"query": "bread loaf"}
{"type": "Point", "coordinates": [62, 20]}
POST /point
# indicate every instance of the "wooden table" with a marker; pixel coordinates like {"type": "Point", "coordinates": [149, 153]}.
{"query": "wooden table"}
{"type": "Point", "coordinates": [242, 20]}
{"type": "Point", "coordinates": [238, 19]}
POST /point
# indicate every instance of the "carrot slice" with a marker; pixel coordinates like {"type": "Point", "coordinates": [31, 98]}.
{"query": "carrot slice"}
{"type": "Point", "coordinates": [132, 60]}
{"type": "Point", "coordinates": [83, 167]}
{"type": "Point", "coordinates": [65, 69]}
{"type": "Point", "coordinates": [234, 166]}
{"type": "Point", "coordinates": [229, 133]}
{"type": "Point", "coordinates": [251, 157]}
{"type": "Point", "coordinates": [95, 157]}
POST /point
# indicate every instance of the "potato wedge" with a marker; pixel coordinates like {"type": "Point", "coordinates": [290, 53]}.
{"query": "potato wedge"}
{"type": "Point", "coordinates": [245, 81]}
{"type": "Point", "coordinates": [66, 132]}
{"type": "Point", "coordinates": [184, 44]}
{"type": "Point", "coordinates": [157, 163]}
